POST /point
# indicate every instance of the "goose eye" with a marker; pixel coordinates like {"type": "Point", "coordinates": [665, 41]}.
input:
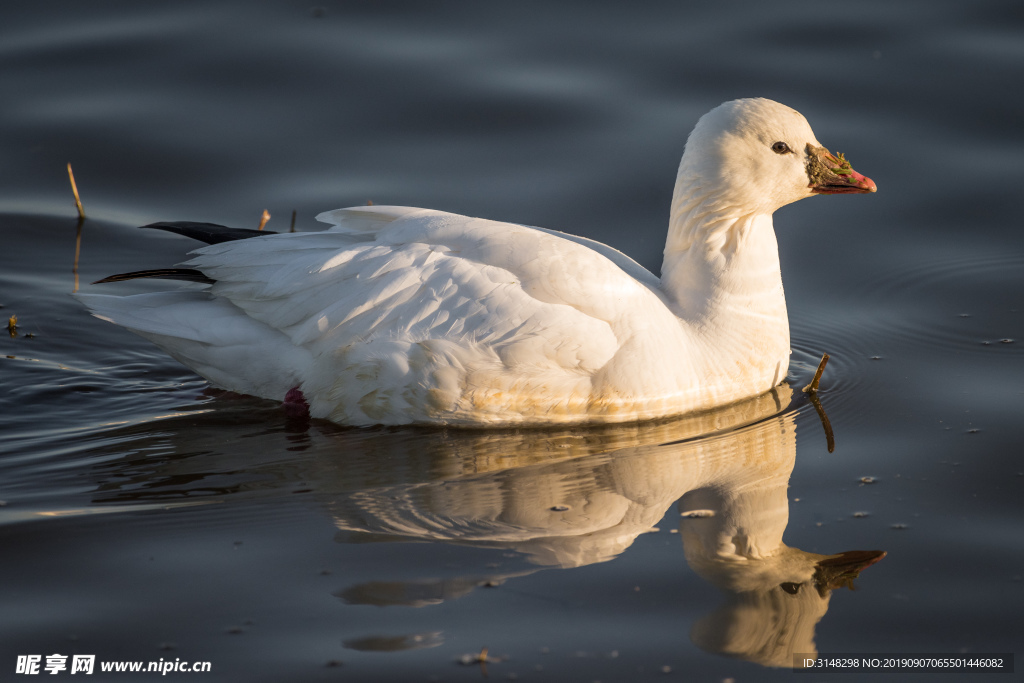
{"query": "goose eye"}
{"type": "Point", "coordinates": [781, 148]}
{"type": "Point", "coordinates": [791, 588]}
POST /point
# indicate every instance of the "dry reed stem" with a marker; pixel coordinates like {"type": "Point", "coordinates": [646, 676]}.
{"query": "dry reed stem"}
{"type": "Point", "coordinates": [263, 219]}
{"type": "Point", "coordinates": [74, 189]}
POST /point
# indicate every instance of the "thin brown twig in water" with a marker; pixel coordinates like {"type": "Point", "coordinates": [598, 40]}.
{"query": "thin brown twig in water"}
{"type": "Point", "coordinates": [263, 219]}
{"type": "Point", "coordinates": [813, 386]}
{"type": "Point", "coordinates": [812, 389]}
{"type": "Point", "coordinates": [292, 229]}
{"type": "Point", "coordinates": [74, 189]}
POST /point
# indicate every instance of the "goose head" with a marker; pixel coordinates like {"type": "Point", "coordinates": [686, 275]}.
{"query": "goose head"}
{"type": "Point", "coordinates": [758, 155]}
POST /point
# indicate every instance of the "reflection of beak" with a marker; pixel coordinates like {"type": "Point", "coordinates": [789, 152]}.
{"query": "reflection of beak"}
{"type": "Point", "coordinates": [837, 571]}
{"type": "Point", "coordinates": [831, 174]}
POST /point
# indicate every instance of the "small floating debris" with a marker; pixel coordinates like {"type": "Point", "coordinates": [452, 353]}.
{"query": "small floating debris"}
{"type": "Point", "coordinates": [868, 480]}
{"type": "Point", "coordinates": [973, 430]}
{"type": "Point", "coordinates": [899, 526]}
{"type": "Point", "coordinates": [860, 514]}
{"type": "Point", "coordinates": [697, 514]}
{"type": "Point", "coordinates": [965, 315]}
{"type": "Point", "coordinates": [12, 325]}
{"type": "Point", "coordinates": [481, 658]}
{"type": "Point", "coordinates": [559, 508]}
{"type": "Point", "coordinates": [1006, 341]}
{"type": "Point", "coordinates": [876, 358]}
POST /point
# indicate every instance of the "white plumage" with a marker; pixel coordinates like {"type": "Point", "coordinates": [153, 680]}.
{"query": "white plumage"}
{"type": "Point", "coordinates": [400, 315]}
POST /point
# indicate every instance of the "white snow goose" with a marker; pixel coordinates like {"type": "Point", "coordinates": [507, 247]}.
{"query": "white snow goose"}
{"type": "Point", "coordinates": [400, 315]}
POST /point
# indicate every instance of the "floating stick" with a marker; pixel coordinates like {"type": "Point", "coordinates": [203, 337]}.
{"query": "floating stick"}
{"type": "Point", "coordinates": [263, 219]}
{"type": "Point", "coordinates": [74, 189]}
{"type": "Point", "coordinates": [813, 386]}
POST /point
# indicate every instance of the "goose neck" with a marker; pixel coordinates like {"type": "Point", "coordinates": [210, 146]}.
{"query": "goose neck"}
{"type": "Point", "coordinates": [721, 259]}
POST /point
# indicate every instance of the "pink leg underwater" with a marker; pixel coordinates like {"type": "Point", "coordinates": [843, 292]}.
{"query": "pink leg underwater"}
{"type": "Point", "coordinates": [295, 403]}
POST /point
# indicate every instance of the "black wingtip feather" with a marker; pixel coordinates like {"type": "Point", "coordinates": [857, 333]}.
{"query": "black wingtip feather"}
{"type": "Point", "coordinates": [187, 274]}
{"type": "Point", "coordinates": [211, 233]}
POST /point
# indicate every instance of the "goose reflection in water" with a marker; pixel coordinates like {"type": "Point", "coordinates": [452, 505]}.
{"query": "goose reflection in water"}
{"type": "Point", "coordinates": [569, 499]}
{"type": "Point", "coordinates": [560, 498]}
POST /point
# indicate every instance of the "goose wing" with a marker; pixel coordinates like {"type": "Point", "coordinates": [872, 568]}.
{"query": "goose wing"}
{"type": "Point", "coordinates": [419, 274]}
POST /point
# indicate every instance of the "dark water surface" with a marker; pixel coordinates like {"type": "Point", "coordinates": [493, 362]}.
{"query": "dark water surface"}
{"type": "Point", "coordinates": [146, 516]}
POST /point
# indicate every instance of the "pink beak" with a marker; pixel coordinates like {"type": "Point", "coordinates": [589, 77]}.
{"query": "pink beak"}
{"type": "Point", "coordinates": [830, 174]}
